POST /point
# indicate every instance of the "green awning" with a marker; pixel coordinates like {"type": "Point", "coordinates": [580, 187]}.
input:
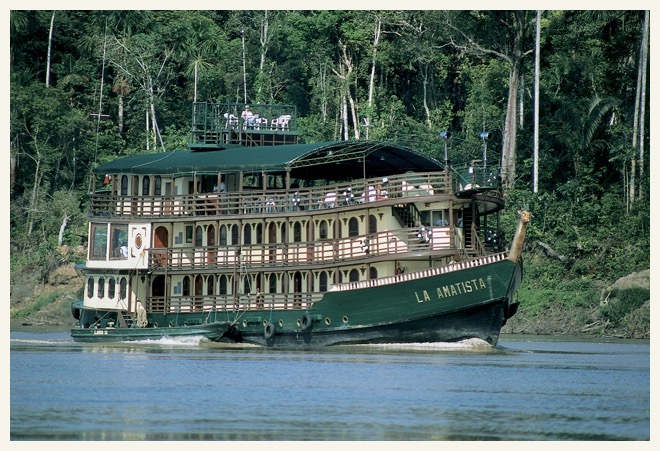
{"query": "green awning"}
{"type": "Point", "coordinates": [345, 158]}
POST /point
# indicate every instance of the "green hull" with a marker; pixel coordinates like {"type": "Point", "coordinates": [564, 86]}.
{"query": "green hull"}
{"type": "Point", "coordinates": [210, 331]}
{"type": "Point", "coordinates": [432, 306]}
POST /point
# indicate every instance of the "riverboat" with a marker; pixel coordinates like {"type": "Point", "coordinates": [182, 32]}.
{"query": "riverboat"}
{"type": "Point", "coordinates": [280, 243]}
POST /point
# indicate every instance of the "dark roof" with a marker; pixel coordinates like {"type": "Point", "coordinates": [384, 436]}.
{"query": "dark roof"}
{"type": "Point", "coordinates": [307, 161]}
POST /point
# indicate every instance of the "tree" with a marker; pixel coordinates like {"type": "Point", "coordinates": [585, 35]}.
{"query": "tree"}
{"type": "Point", "coordinates": [509, 31]}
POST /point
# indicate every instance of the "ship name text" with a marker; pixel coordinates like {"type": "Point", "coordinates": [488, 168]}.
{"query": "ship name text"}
{"type": "Point", "coordinates": [445, 291]}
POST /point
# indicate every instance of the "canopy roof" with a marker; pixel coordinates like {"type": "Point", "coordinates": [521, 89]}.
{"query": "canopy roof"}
{"type": "Point", "coordinates": [337, 160]}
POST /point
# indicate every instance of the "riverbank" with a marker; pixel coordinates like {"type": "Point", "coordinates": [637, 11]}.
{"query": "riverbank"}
{"type": "Point", "coordinates": [623, 310]}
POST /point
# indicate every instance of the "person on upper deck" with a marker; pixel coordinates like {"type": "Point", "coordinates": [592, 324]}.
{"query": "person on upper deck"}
{"type": "Point", "coordinates": [247, 116]}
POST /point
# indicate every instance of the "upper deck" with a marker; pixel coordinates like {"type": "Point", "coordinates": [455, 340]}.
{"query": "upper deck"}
{"type": "Point", "coordinates": [215, 125]}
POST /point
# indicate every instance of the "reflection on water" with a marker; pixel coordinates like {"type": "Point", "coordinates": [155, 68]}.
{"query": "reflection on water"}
{"type": "Point", "coordinates": [182, 389]}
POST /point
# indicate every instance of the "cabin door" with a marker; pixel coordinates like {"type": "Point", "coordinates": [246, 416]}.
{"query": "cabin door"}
{"type": "Point", "coordinates": [160, 243]}
{"type": "Point", "coordinates": [297, 289]}
{"type": "Point", "coordinates": [158, 302]}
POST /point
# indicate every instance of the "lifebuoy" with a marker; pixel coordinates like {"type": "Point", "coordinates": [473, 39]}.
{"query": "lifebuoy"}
{"type": "Point", "coordinates": [269, 330]}
{"type": "Point", "coordinates": [306, 321]}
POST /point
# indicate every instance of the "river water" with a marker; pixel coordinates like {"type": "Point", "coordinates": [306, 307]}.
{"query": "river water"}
{"type": "Point", "coordinates": [527, 388]}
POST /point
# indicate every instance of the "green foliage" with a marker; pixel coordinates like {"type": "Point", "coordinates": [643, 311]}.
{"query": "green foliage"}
{"type": "Point", "coordinates": [428, 77]}
{"type": "Point", "coordinates": [623, 302]}
{"type": "Point", "coordinates": [40, 303]}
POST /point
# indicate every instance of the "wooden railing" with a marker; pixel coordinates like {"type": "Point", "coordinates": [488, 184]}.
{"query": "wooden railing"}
{"type": "Point", "coordinates": [405, 240]}
{"type": "Point", "coordinates": [270, 201]}
{"type": "Point", "coordinates": [232, 303]}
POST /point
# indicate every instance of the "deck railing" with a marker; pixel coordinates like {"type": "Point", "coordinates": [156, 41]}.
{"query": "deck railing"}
{"type": "Point", "coordinates": [235, 303]}
{"type": "Point", "coordinates": [441, 240]}
{"type": "Point", "coordinates": [270, 201]}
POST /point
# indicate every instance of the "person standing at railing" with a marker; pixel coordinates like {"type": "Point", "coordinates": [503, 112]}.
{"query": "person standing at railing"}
{"type": "Point", "coordinates": [247, 116]}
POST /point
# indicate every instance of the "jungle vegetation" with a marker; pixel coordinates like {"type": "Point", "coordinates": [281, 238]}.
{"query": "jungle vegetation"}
{"type": "Point", "coordinates": [90, 86]}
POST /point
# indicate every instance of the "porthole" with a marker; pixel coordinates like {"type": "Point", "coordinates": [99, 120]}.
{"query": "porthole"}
{"type": "Point", "coordinates": [281, 323]}
{"type": "Point", "coordinates": [345, 319]}
{"type": "Point", "coordinates": [138, 241]}
{"type": "Point", "coordinates": [327, 321]}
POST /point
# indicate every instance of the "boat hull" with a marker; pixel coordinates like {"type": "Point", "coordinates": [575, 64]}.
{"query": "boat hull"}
{"type": "Point", "coordinates": [209, 331]}
{"type": "Point", "coordinates": [447, 305]}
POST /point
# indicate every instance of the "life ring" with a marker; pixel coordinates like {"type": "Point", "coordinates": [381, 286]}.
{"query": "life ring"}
{"type": "Point", "coordinates": [155, 325]}
{"type": "Point", "coordinates": [306, 321]}
{"type": "Point", "coordinates": [269, 330]}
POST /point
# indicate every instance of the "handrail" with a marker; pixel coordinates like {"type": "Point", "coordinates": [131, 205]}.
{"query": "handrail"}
{"type": "Point", "coordinates": [270, 201]}
{"type": "Point", "coordinates": [311, 253]}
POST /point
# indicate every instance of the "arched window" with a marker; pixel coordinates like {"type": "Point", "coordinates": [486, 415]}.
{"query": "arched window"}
{"type": "Point", "coordinates": [101, 288]}
{"type": "Point", "coordinates": [354, 275]}
{"type": "Point", "coordinates": [373, 273]}
{"type": "Point", "coordinates": [247, 234]}
{"type": "Point", "coordinates": [124, 185]}
{"type": "Point", "coordinates": [122, 288]}
{"type": "Point", "coordinates": [210, 285]}
{"type": "Point", "coordinates": [353, 228]}
{"type": "Point", "coordinates": [223, 235]}
{"type": "Point", "coordinates": [198, 236]}
{"type": "Point", "coordinates": [297, 232]}
{"type": "Point", "coordinates": [247, 284]}
{"type": "Point", "coordinates": [146, 181]}
{"type": "Point", "coordinates": [272, 283]}
{"type": "Point", "coordinates": [323, 281]}
{"type": "Point", "coordinates": [90, 287]}
{"type": "Point", "coordinates": [373, 224]}
{"type": "Point", "coordinates": [234, 234]}
{"type": "Point", "coordinates": [283, 234]}
{"type": "Point", "coordinates": [186, 286]}
{"type": "Point", "coordinates": [222, 284]}
{"type": "Point", "coordinates": [111, 288]}
{"type": "Point", "coordinates": [157, 185]}
{"type": "Point", "coordinates": [323, 230]}
{"type": "Point", "coordinates": [259, 233]}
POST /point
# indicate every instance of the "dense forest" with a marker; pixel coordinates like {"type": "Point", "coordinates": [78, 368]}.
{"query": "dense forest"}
{"type": "Point", "coordinates": [563, 94]}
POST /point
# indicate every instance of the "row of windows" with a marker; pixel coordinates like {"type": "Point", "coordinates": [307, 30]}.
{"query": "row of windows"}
{"type": "Point", "coordinates": [250, 285]}
{"type": "Point", "coordinates": [146, 185]}
{"type": "Point", "coordinates": [254, 233]}
{"type": "Point", "coordinates": [101, 285]}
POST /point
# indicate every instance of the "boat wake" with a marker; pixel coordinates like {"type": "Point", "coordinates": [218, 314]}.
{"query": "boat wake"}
{"type": "Point", "coordinates": [471, 344]}
{"type": "Point", "coordinates": [193, 340]}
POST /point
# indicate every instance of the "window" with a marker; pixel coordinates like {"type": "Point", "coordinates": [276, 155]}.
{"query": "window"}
{"type": "Point", "coordinates": [99, 244]}
{"type": "Point", "coordinates": [101, 288]}
{"type": "Point", "coordinates": [111, 288]}
{"type": "Point", "coordinates": [234, 234]}
{"type": "Point", "coordinates": [354, 275]}
{"type": "Point", "coordinates": [323, 281]}
{"type": "Point", "coordinates": [122, 288]}
{"type": "Point", "coordinates": [157, 185]}
{"type": "Point", "coordinates": [198, 236]}
{"type": "Point", "coordinates": [119, 238]}
{"type": "Point", "coordinates": [373, 273]}
{"type": "Point", "coordinates": [223, 235]}
{"type": "Point", "coordinates": [189, 234]}
{"type": "Point", "coordinates": [246, 284]}
{"type": "Point", "coordinates": [297, 232]}
{"type": "Point", "coordinates": [124, 185]}
{"type": "Point", "coordinates": [260, 234]}
{"type": "Point", "coordinates": [247, 234]}
{"type": "Point", "coordinates": [146, 181]}
{"type": "Point", "coordinates": [210, 285]}
{"type": "Point", "coordinates": [186, 286]}
{"type": "Point", "coordinates": [272, 283]}
{"type": "Point", "coordinates": [90, 287]}
{"type": "Point", "coordinates": [353, 228]}
{"type": "Point", "coordinates": [223, 284]}
{"type": "Point", "coordinates": [373, 224]}
{"type": "Point", "coordinates": [323, 230]}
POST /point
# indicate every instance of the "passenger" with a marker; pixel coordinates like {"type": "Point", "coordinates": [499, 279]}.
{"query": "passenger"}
{"type": "Point", "coordinates": [398, 270]}
{"type": "Point", "coordinates": [348, 196]}
{"type": "Point", "coordinates": [247, 116]}
{"type": "Point", "coordinates": [123, 250]}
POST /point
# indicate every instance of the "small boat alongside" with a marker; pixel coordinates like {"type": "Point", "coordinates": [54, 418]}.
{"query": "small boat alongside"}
{"type": "Point", "coordinates": [250, 236]}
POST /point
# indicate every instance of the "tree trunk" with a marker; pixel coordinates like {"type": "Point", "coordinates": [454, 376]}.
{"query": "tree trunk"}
{"type": "Point", "coordinates": [50, 42]}
{"type": "Point", "coordinates": [537, 76]}
{"type": "Point", "coordinates": [642, 97]}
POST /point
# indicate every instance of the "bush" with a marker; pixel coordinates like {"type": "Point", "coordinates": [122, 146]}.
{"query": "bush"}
{"type": "Point", "coordinates": [624, 302]}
